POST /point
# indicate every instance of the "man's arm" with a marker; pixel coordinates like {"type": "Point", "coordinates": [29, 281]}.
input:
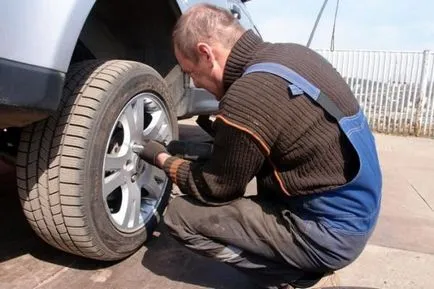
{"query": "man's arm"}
{"type": "Point", "coordinates": [235, 161]}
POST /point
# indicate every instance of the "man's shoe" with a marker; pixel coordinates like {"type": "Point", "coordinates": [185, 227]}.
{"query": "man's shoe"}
{"type": "Point", "coordinates": [328, 281]}
{"type": "Point", "coordinates": [287, 287]}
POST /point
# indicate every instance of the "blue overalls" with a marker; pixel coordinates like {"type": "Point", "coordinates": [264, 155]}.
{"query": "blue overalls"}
{"type": "Point", "coordinates": [337, 223]}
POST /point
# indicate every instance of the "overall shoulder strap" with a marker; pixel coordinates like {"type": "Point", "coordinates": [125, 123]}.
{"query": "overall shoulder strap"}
{"type": "Point", "coordinates": [298, 85]}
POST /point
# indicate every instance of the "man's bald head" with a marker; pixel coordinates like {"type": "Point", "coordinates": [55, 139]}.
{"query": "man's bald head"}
{"type": "Point", "coordinates": [205, 23]}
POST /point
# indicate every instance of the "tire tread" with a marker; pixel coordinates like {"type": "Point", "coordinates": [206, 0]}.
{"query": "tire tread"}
{"type": "Point", "coordinates": [51, 156]}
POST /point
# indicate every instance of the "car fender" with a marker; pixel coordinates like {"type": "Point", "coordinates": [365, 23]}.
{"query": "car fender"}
{"type": "Point", "coordinates": [42, 33]}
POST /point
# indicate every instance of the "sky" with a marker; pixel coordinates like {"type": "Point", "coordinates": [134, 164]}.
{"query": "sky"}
{"type": "Point", "coordinates": [397, 25]}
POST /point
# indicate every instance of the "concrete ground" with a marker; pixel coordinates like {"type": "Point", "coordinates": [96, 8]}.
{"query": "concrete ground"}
{"type": "Point", "coordinates": [400, 253]}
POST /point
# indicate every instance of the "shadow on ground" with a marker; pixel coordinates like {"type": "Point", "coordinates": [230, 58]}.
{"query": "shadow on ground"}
{"type": "Point", "coordinates": [17, 238]}
{"type": "Point", "coordinates": [166, 257]}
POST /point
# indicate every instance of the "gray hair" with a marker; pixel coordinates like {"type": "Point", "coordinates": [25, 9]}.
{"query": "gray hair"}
{"type": "Point", "coordinates": [205, 23]}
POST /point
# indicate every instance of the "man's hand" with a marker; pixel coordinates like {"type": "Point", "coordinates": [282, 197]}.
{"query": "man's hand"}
{"type": "Point", "coordinates": [151, 150]}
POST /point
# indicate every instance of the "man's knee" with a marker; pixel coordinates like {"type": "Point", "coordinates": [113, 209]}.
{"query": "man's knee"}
{"type": "Point", "coordinates": [179, 216]}
{"type": "Point", "coordinates": [172, 216]}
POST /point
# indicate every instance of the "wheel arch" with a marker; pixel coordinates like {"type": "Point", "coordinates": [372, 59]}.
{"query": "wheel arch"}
{"type": "Point", "coordinates": [134, 30]}
{"type": "Point", "coordinates": [131, 30]}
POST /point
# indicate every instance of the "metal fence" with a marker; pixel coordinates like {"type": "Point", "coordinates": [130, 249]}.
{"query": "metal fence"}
{"type": "Point", "coordinates": [395, 89]}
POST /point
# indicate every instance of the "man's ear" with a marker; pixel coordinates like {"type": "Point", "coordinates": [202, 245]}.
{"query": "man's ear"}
{"type": "Point", "coordinates": [205, 52]}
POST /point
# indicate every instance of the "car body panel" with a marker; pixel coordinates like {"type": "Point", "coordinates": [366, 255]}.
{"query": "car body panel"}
{"type": "Point", "coordinates": [42, 33]}
{"type": "Point", "coordinates": [40, 36]}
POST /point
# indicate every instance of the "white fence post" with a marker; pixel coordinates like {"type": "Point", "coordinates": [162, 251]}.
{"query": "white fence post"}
{"type": "Point", "coordinates": [420, 102]}
{"type": "Point", "coordinates": [396, 88]}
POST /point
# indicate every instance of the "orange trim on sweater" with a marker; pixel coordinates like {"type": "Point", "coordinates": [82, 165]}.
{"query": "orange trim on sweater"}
{"type": "Point", "coordinates": [173, 170]}
{"type": "Point", "coordinates": [261, 142]}
{"type": "Point", "coordinates": [257, 137]}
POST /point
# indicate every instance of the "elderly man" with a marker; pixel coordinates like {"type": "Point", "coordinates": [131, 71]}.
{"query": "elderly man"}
{"type": "Point", "coordinates": [287, 118]}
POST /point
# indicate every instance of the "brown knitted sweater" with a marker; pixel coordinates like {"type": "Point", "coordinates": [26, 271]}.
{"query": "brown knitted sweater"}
{"type": "Point", "coordinates": [288, 142]}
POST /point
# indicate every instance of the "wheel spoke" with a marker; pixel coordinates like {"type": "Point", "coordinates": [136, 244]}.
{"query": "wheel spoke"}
{"type": "Point", "coordinates": [114, 161]}
{"type": "Point", "coordinates": [128, 124]}
{"type": "Point", "coordinates": [153, 182]}
{"type": "Point", "coordinates": [139, 112]}
{"type": "Point", "coordinates": [159, 175]}
{"type": "Point", "coordinates": [166, 134]}
{"type": "Point", "coordinates": [154, 128]}
{"type": "Point", "coordinates": [132, 213]}
{"type": "Point", "coordinates": [113, 182]}
{"type": "Point", "coordinates": [152, 188]}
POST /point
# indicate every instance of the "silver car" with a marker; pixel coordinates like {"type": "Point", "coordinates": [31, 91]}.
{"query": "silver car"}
{"type": "Point", "coordinates": [81, 81]}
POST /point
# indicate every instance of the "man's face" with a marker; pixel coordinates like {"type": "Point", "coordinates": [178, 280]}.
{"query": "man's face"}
{"type": "Point", "coordinates": [207, 73]}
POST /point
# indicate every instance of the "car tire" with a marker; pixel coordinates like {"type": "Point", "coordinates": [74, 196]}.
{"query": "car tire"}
{"type": "Point", "coordinates": [82, 188]}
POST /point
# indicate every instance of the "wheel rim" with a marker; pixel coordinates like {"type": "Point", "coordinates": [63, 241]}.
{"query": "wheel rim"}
{"type": "Point", "coordinates": [132, 189]}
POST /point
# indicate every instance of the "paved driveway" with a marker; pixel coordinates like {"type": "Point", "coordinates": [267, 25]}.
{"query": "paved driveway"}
{"type": "Point", "coordinates": [399, 255]}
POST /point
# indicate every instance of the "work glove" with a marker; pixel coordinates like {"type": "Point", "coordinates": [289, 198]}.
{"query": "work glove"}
{"type": "Point", "coordinates": [188, 150]}
{"type": "Point", "coordinates": [151, 149]}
